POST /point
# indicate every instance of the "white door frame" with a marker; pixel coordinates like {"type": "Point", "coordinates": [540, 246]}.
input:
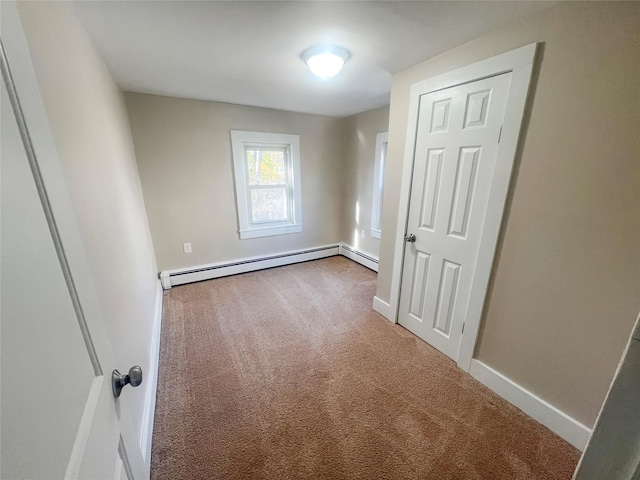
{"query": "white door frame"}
{"type": "Point", "coordinates": [520, 63]}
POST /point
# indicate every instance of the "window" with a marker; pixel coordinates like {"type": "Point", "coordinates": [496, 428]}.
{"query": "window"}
{"type": "Point", "coordinates": [267, 173]}
{"type": "Point", "coordinates": [378, 183]}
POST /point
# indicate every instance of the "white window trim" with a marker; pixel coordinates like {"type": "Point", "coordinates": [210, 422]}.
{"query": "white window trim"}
{"type": "Point", "coordinates": [382, 139]}
{"type": "Point", "coordinates": [239, 141]}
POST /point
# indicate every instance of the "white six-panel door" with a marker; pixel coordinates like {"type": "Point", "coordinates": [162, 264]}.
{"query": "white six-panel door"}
{"type": "Point", "coordinates": [456, 148]}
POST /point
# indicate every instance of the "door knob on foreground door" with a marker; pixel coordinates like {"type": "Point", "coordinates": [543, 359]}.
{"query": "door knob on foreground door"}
{"type": "Point", "coordinates": [118, 381]}
{"type": "Point", "coordinates": [409, 237]}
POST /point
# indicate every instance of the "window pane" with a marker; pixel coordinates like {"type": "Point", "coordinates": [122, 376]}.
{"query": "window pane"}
{"type": "Point", "coordinates": [268, 205]}
{"type": "Point", "coordinates": [266, 166]}
{"type": "Point", "coordinates": [378, 216]}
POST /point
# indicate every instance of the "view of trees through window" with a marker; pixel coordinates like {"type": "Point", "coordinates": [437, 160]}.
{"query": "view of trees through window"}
{"type": "Point", "coordinates": [268, 184]}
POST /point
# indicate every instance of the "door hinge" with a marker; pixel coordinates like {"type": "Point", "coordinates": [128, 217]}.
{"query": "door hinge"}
{"type": "Point", "coordinates": [500, 135]}
{"type": "Point", "coordinates": [463, 327]}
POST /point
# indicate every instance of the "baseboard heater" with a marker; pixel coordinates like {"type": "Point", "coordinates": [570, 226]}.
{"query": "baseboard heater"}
{"type": "Point", "coordinates": [172, 278]}
{"type": "Point", "coordinates": [363, 258]}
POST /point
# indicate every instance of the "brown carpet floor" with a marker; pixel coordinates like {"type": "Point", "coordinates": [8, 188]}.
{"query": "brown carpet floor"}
{"type": "Point", "coordinates": [289, 374]}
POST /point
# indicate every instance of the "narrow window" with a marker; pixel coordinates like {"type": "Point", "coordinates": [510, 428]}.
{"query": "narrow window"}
{"type": "Point", "coordinates": [267, 174]}
{"type": "Point", "coordinates": [378, 184]}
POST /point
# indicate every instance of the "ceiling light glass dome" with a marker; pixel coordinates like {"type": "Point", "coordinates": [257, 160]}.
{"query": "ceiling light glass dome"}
{"type": "Point", "coordinates": [325, 61]}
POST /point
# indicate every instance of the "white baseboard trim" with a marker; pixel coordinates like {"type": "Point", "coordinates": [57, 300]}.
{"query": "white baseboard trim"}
{"type": "Point", "coordinates": [171, 278]}
{"type": "Point", "coordinates": [152, 379]}
{"type": "Point", "coordinates": [384, 309]}
{"type": "Point", "coordinates": [363, 258]}
{"type": "Point", "coordinates": [551, 417]}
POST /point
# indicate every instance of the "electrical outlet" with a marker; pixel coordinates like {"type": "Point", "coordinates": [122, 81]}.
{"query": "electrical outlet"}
{"type": "Point", "coordinates": [363, 233]}
{"type": "Point", "coordinates": [186, 247]}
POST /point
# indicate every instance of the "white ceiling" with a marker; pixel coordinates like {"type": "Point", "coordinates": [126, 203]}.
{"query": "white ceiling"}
{"type": "Point", "coordinates": [249, 52]}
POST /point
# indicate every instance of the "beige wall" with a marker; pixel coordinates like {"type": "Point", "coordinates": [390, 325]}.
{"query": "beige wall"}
{"type": "Point", "coordinates": [183, 149]}
{"type": "Point", "coordinates": [89, 122]}
{"type": "Point", "coordinates": [357, 187]}
{"type": "Point", "coordinates": [565, 289]}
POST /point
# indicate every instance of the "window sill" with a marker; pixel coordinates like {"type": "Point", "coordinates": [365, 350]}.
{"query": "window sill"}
{"type": "Point", "coordinates": [270, 231]}
{"type": "Point", "coordinates": [376, 233]}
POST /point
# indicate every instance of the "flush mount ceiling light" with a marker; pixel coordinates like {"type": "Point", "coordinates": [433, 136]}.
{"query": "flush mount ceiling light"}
{"type": "Point", "coordinates": [325, 61]}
